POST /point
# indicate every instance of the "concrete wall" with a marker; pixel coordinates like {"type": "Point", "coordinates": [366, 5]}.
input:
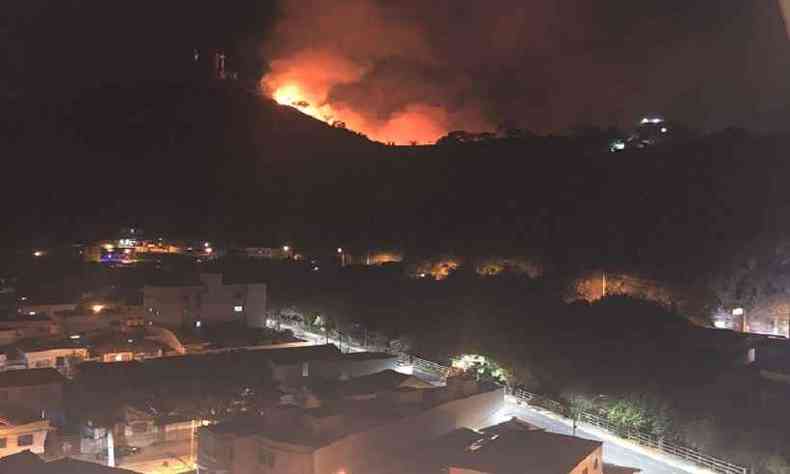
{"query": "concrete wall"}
{"type": "Point", "coordinates": [49, 358]}
{"type": "Point", "coordinates": [172, 306]}
{"type": "Point", "coordinates": [593, 463]}
{"type": "Point", "coordinates": [255, 310]}
{"type": "Point", "coordinates": [211, 303]}
{"type": "Point", "coordinates": [353, 453]}
{"type": "Point", "coordinates": [46, 398]}
{"type": "Point", "coordinates": [38, 429]}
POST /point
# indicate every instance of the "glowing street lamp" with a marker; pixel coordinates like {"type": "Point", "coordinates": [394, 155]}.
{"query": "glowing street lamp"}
{"type": "Point", "coordinates": [97, 308]}
{"type": "Point", "coordinates": [38, 253]}
{"type": "Point", "coordinates": [741, 313]}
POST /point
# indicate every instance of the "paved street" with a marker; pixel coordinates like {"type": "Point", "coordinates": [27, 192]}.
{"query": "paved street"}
{"type": "Point", "coordinates": [615, 450]}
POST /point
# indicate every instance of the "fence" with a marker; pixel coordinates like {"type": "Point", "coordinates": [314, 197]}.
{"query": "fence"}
{"type": "Point", "coordinates": [642, 438]}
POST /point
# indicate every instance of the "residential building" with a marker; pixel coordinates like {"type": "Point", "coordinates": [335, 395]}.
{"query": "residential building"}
{"type": "Point", "coordinates": [348, 436]}
{"type": "Point", "coordinates": [118, 347]}
{"type": "Point", "coordinates": [21, 429]}
{"type": "Point", "coordinates": [62, 354]}
{"type": "Point", "coordinates": [204, 301]}
{"type": "Point", "coordinates": [510, 451]}
{"type": "Point", "coordinates": [25, 462]}
{"type": "Point", "coordinates": [38, 390]}
{"type": "Point", "coordinates": [21, 326]}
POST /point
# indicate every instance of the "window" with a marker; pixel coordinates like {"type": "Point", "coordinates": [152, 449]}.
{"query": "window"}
{"type": "Point", "coordinates": [43, 363]}
{"type": "Point", "coordinates": [60, 361]}
{"type": "Point", "coordinates": [238, 308]}
{"type": "Point", "coordinates": [3, 443]}
{"type": "Point", "coordinates": [25, 440]}
{"type": "Point", "coordinates": [265, 457]}
{"type": "Point", "coordinates": [139, 427]}
{"type": "Point", "coordinates": [305, 369]}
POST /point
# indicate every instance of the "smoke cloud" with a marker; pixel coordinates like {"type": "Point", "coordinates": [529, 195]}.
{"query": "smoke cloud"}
{"type": "Point", "coordinates": [413, 70]}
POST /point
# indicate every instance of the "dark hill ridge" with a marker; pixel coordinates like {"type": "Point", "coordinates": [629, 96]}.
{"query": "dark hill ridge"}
{"type": "Point", "coordinates": [219, 161]}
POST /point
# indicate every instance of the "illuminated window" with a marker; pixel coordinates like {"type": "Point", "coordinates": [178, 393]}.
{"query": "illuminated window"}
{"type": "Point", "coordinates": [305, 369]}
{"type": "Point", "coordinates": [238, 308]}
{"type": "Point", "coordinates": [25, 440]}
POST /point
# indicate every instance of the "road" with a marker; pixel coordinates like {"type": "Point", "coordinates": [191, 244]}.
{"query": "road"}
{"type": "Point", "coordinates": [615, 450]}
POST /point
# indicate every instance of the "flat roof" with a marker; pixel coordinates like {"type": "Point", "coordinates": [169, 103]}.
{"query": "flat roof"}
{"type": "Point", "coordinates": [30, 377]}
{"type": "Point", "coordinates": [510, 451]}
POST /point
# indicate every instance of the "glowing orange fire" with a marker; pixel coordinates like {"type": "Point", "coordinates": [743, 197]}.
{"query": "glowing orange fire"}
{"type": "Point", "coordinates": [292, 95]}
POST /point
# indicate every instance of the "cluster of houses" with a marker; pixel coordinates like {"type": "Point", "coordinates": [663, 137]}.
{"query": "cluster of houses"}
{"type": "Point", "coordinates": [310, 409]}
{"type": "Point", "coordinates": [114, 386]}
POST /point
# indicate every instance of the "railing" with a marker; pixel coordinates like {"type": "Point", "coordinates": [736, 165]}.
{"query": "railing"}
{"type": "Point", "coordinates": [640, 437]}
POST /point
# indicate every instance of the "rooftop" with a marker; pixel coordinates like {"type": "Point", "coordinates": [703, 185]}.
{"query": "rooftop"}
{"type": "Point", "coordinates": [29, 377]}
{"type": "Point", "coordinates": [73, 466]}
{"type": "Point", "coordinates": [23, 462]}
{"type": "Point", "coordinates": [510, 451]}
{"type": "Point", "coordinates": [369, 356]}
{"type": "Point", "coordinates": [12, 415]}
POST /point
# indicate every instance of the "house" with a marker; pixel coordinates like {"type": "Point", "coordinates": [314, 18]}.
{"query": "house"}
{"type": "Point", "coordinates": [510, 451]}
{"type": "Point", "coordinates": [205, 300]}
{"type": "Point", "coordinates": [21, 326]}
{"type": "Point", "coordinates": [38, 390]}
{"type": "Point", "coordinates": [381, 384]}
{"type": "Point", "coordinates": [125, 347]}
{"type": "Point", "coordinates": [21, 429]}
{"type": "Point", "coordinates": [62, 354]}
{"type": "Point", "coordinates": [348, 436]}
{"type": "Point", "coordinates": [25, 462]}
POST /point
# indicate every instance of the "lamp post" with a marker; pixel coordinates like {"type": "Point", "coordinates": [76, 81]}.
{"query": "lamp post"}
{"type": "Point", "coordinates": [741, 313]}
{"type": "Point", "coordinates": [342, 256]}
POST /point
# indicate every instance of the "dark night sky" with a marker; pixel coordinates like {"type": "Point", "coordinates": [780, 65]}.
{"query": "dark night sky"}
{"type": "Point", "coordinates": [545, 65]}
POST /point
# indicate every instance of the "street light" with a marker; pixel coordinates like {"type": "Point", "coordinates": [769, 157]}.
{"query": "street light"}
{"type": "Point", "coordinates": [740, 312]}
{"type": "Point", "coordinates": [342, 256]}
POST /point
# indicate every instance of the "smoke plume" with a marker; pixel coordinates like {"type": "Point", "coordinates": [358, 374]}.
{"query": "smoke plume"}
{"type": "Point", "coordinates": [413, 70]}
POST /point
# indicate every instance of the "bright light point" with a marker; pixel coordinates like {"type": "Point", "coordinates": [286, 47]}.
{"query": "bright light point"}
{"type": "Point", "coordinates": [405, 369]}
{"type": "Point", "coordinates": [238, 309]}
{"type": "Point", "coordinates": [664, 129]}
{"type": "Point", "coordinates": [97, 308]}
{"type": "Point", "coordinates": [289, 94]}
{"type": "Point", "coordinates": [339, 250]}
{"type": "Point", "coordinates": [109, 247]}
{"type": "Point", "coordinates": [737, 312]}
{"type": "Point", "coordinates": [286, 248]}
{"type": "Point", "coordinates": [74, 336]}
{"type": "Point", "coordinates": [38, 253]}
{"type": "Point", "coordinates": [31, 313]}
{"type": "Point", "coordinates": [209, 249]}
{"type": "Point", "coordinates": [127, 251]}
{"type": "Point", "coordinates": [130, 341]}
{"type": "Point", "coordinates": [720, 324]}
{"type": "Point", "coordinates": [206, 244]}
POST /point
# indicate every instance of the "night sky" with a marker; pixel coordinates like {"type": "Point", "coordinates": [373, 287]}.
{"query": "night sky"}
{"type": "Point", "coordinates": [542, 65]}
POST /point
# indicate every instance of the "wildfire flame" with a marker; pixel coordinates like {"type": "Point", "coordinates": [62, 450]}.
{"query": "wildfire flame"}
{"type": "Point", "coordinates": [292, 95]}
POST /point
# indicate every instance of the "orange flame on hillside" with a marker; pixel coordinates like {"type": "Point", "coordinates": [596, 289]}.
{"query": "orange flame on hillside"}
{"type": "Point", "coordinates": [305, 81]}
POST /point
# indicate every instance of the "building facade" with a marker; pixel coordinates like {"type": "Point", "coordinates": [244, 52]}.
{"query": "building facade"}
{"type": "Point", "coordinates": [210, 301]}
